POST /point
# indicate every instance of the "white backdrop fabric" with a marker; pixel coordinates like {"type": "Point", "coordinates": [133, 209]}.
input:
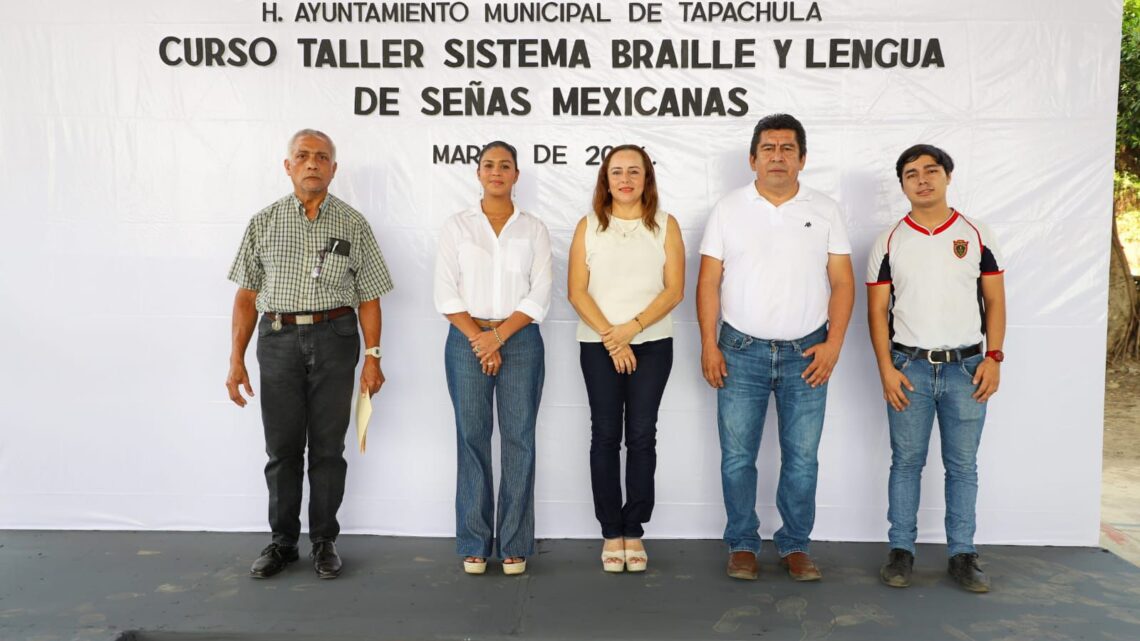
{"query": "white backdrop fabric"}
{"type": "Point", "coordinates": [128, 184]}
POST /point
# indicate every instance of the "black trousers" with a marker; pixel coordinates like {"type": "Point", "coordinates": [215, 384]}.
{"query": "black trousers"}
{"type": "Point", "coordinates": [636, 398]}
{"type": "Point", "coordinates": [307, 377]}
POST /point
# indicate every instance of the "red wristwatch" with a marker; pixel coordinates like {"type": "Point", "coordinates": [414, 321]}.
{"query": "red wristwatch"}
{"type": "Point", "coordinates": [996, 354]}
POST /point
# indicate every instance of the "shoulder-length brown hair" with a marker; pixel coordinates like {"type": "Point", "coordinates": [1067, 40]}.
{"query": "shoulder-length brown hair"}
{"type": "Point", "coordinates": [604, 200]}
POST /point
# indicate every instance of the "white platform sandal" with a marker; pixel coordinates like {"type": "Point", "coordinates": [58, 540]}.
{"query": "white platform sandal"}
{"type": "Point", "coordinates": [475, 567]}
{"type": "Point", "coordinates": [613, 561]}
{"type": "Point", "coordinates": [636, 560]}
{"type": "Point", "coordinates": [518, 567]}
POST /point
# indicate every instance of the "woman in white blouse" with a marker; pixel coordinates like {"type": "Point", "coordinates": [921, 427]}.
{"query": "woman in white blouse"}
{"type": "Point", "coordinates": [627, 272]}
{"type": "Point", "coordinates": [492, 282]}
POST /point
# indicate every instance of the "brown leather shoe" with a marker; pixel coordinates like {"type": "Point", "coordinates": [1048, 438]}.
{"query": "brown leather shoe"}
{"type": "Point", "coordinates": [742, 565]}
{"type": "Point", "coordinates": [801, 567]}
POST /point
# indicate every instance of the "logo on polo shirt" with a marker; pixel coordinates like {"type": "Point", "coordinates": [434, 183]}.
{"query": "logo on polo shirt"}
{"type": "Point", "coordinates": [960, 247]}
{"type": "Point", "coordinates": [807, 224]}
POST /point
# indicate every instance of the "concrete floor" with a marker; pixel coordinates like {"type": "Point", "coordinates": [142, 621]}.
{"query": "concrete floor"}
{"type": "Point", "coordinates": [1120, 482]}
{"type": "Point", "coordinates": [1120, 509]}
{"type": "Point", "coordinates": [180, 586]}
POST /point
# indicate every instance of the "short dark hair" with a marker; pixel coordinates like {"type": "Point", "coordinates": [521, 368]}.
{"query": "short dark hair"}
{"type": "Point", "coordinates": [778, 121]}
{"type": "Point", "coordinates": [913, 153]}
{"type": "Point", "coordinates": [499, 144]}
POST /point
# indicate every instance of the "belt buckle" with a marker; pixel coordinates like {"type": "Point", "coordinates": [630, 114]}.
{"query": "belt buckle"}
{"type": "Point", "coordinates": [930, 357]}
{"type": "Point", "coordinates": [303, 319]}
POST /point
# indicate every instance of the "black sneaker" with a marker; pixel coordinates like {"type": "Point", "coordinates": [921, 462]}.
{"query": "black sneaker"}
{"type": "Point", "coordinates": [896, 573]}
{"type": "Point", "coordinates": [273, 559]}
{"type": "Point", "coordinates": [964, 570]}
{"type": "Point", "coordinates": [325, 560]}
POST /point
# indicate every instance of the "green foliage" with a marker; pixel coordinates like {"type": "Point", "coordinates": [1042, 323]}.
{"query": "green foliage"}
{"type": "Point", "coordinates": [1128, 106]}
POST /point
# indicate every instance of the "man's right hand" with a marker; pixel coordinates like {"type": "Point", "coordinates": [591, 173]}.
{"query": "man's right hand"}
{"type": "Point", "coordinates": [238, 377]}
{"type": "Point", "coordinates": [893, 382]}
{"type": "Point", "coordinates": [713, 366]}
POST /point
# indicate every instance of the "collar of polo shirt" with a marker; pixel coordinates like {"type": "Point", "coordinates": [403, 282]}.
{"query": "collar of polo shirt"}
{"type": "Point", "coordinates": [802, 194]}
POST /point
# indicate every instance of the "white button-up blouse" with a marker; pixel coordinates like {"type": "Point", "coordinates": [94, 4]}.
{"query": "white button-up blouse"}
{"type": "Point", "coordinates": [490, 276]}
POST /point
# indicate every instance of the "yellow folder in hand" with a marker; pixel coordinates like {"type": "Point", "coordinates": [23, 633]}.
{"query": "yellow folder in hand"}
{"type": "Point", "coordinates": [363, 413]}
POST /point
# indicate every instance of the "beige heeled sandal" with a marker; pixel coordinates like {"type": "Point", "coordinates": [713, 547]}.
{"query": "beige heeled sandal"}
{"type": "Point", "coordinates": [518, 567]}
{"type": "Point", "coordinates": [613, 561]}
{"type": "Point", "coordinates": [636, 560]}
{"type": "Point", "coordinates": [475, 567]}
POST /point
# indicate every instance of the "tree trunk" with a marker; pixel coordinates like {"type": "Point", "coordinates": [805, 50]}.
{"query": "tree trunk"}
{"type": "Point", "coordinates": [1123, 313]}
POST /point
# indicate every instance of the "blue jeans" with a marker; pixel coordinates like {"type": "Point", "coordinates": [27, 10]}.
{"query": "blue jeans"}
{"type": "Point", "coordinates": [756, 369]}
{"type": "Point", "coordinates": [518, 386]}
{"type": "Point", "coordinates": [943, 390]}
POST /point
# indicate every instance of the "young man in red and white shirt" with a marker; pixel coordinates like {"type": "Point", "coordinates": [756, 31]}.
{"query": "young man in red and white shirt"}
{"type": "Point", "coordinates": [935, 292]}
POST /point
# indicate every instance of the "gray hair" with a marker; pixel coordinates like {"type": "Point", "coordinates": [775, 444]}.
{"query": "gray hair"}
{"type": "Point", "coordinates": [314, 133]}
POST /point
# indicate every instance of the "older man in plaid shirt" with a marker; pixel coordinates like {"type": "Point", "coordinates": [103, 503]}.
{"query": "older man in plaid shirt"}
{"type": "Point", "coordinates": [305, 263]}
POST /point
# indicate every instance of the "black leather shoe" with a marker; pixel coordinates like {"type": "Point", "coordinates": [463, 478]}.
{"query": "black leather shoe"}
{"type": "Point", "coordinates": [964, 570]}
{"type": "Point", "coordinates": [896, 573]}
{"type": "Point", "coordinates": [273, 559]}
{"type": "Point", "coordinates": [326, 560]}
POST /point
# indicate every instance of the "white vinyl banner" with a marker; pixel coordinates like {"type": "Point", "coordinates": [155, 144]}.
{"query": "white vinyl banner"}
{"type": "Point", "coordinates": [140, 137]}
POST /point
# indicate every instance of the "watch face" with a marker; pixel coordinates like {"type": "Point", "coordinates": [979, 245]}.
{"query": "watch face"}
{"type": "Point", "coordinates": [996, 355]}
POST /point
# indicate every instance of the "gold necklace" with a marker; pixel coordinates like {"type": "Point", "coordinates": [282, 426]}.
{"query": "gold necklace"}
{"type": "Point", "coordinates": [626, 227]}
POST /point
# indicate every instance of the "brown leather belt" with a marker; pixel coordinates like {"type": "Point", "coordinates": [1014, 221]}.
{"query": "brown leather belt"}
{"type": "Point", "coordinates": [310, 319]}
{"type": "Point", "coordinates": [483, 322]}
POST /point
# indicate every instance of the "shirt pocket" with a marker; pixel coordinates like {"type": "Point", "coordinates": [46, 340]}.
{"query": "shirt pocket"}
{"type": "Point", "coordinates": [519, 256]}
{"type": "Point", "coordinates": [336, 273]}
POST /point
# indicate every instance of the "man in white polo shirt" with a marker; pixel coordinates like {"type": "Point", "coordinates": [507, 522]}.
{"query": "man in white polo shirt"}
{"type": "Point", "coordinates": [934, 287]}
{"type": "Point", "coordinates": [776, 264]}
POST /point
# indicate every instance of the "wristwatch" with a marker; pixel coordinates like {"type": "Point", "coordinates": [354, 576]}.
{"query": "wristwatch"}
{"type": "Point", "coordinates": [996, 354]}
{"type": "Point", "coordinates": [374, 352]}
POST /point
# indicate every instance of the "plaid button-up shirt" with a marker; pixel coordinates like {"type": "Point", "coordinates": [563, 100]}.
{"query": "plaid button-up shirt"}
{"type": "Point", "coordinates": [300, 265]}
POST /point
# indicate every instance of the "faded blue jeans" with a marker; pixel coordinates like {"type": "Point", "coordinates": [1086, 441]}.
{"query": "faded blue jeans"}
{"type": "Point", "coordinates": [518, 386]}
{"type": "Point", "coordinates": [757, 368]}
{"type": "Point", "coordinates": [944, 391]}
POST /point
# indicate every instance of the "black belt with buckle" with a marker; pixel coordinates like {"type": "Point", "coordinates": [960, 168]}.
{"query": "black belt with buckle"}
{"type": "Point", "coordinates": [939, 356]}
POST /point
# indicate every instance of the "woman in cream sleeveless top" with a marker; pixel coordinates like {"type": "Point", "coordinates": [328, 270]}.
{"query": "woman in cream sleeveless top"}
{"type": "Point", "coordinates": [626, 273]}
